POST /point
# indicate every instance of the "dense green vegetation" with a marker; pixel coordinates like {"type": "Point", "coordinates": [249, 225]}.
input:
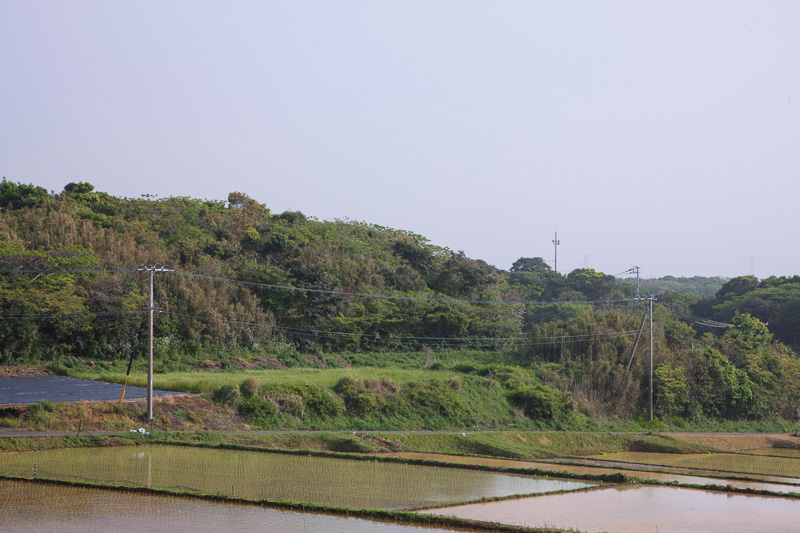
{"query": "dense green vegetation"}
{"type": "Point", "coordinates": [486, 346]}
{"type": "Point", "coordinates": [696, 285]}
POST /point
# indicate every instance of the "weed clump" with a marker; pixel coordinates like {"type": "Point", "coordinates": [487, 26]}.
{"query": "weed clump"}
{"type": "Point", "coordinates": [249, 388]}
{"type": "Point", "coordinates": [258, 411]}
{"type": "Point", "coordinates": [227, 394]}
{"type": "Point", "coordinates": [42, 414]}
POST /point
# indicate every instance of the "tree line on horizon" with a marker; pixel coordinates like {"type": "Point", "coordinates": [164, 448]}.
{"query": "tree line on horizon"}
{"type": "Point", "coordinates": [439, 298]}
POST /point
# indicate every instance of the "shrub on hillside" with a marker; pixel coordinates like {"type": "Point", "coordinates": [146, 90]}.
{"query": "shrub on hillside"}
{"type": "Point", "coordinates": [365, 398]}
{"type": "Point", "coordinates": [249, 387]}
{"type": "Point", "coordinates": [316, 400]}
{"type": "Point", "coordinates": [227, 394]}
{"type": "Point", "coordinates": [541, 402]}
{"type": "Point", "coordinates": [258, 411]}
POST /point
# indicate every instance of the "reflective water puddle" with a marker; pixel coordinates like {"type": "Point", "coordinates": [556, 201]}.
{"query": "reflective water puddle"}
{"type": "Point", "coordinates": [684, 479]}
{"type": "Point", "coordinates": [641, 509]}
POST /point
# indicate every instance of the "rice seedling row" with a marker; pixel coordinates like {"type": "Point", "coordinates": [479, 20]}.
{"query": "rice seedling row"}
{"type": "Point", "coordinates": [776, 452]}
{"type": "Point", "coordinates": [721, 462]}
{"type": "Point", "coordinates": [30, 506]}
{"type": "Point", "coordinates": [266, 476]}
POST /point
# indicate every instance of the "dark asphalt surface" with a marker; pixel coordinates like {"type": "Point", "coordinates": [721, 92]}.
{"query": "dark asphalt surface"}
{"type": "Point", "coordinates": [65, 389]}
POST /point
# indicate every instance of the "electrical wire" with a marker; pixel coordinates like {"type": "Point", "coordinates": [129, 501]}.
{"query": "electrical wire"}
{"type": "Point", "coordinates": [324, 291]}
{"type": "Point", "coordinates": [391, 297]}
{"type": "Point", "coordinates": [366, 336]}
{"type": "Point", "coordinates": [698, 319]}
{"type": "Point", "coordinates": [67, 315]}
{"type": "Point", "coordinates": [339, 335]}
{"type": "Point", "coordinates": [76, 271]}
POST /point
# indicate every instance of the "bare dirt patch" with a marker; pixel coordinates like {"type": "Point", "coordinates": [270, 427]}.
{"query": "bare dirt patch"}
{"type": "Point", "coordinates": [238, 362]}
{"type": "Point", "coordinates": [316, 361]}
{"type": "Point", "coordinates": [258, 362]}
{"type": "Point", "coordinates": [342, 362]}
{"type": "Point", "coordinates": [23, 371]}
{"type": "Point", "coordinates": [191, 413]}
{"type": "Point", "coordinates": [741, 442]}
{"type": "Point", "coordinates": [186, 412]}
{"type": "Point", "coordinates": [209, 365]}
{"type": "Point", "coordinates": [270, 362]}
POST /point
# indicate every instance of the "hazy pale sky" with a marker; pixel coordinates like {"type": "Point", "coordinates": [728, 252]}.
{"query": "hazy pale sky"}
{"type": "Point", "coordinates": [659, 134]}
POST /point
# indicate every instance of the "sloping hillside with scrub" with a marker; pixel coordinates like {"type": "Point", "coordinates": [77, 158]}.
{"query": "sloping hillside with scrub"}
{"type": "Point", "coordinates": [293, 322]}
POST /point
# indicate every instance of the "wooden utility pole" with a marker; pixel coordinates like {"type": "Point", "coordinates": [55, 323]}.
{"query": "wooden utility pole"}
{"type": "Point", "coordinates": [151, 308]}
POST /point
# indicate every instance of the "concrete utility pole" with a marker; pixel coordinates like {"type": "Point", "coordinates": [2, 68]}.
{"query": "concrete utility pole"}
{"type": "Point", "coordinates": [556, 242]}
{"type": "Point", "coordinates": [152, 269]}
{"type": "Point", "coordinates": [651, 357]}
{"type": "Point", "coordinates": [636, 343]}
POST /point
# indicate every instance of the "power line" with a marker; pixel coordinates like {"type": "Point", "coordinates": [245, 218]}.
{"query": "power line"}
{"type": "Point", "coordinates": [314, 331]}
{"type": "Point", "coordinates": [67, 315]}
{"type": "Point", "coordinates": [74, 271]}
{"type": "Point", "coordinates": [325, 291]}
{"type": "Point", "coordinates": [339, 335]}
{"type": "Point", "coordinates": [391, 297]}
{"type": "Point", "coordinates": [698, 319]}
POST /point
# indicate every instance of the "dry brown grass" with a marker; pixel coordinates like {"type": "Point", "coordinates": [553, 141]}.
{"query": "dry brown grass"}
{"type": "Point", "coordinates": [741, 442]}
{"type": "Point", "coordinates": [176, 413]}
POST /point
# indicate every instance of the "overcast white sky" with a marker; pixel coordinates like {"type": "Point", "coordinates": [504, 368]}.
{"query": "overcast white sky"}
{"type": "Point", "coordinates": [659, 134]}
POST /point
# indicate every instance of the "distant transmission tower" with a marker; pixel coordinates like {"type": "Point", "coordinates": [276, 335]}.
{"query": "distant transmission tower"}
{"type": "Point", "coordinates": [556, 242]}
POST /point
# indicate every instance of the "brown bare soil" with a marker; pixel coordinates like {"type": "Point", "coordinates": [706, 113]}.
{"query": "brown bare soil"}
{"type": "Point", "coordinates": [742, 442]}
{"type": "Point", "coordinates": [209, 365]}
{"type": "Point", "coordinates": [316, 361]}
{"type": "Point", "coordinates": [187, 412]}
{"type": "Point", "coordinates": [342, 362]}
{"type": "Point", "coordinates": [23, 371]}
{"type": "Point", "coordinates": [270, 362]}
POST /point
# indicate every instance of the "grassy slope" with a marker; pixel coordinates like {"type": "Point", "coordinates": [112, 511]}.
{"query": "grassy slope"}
{"type": "Point", "coordinates": [489, 404]}
{"type": "Point", "coordinates": [519, 445]}
{"type": "Point", "coordinates": [209, 381]}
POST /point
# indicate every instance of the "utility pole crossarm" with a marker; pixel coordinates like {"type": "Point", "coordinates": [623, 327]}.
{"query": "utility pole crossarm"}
{"type": "Point", "coordinates": [635, 270]}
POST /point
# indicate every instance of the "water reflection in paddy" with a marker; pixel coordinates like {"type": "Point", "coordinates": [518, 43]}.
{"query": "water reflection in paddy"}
{"type": "Point", "coordinates": [683, 479]}
{"type": "Point", "coordinates": [642, 509]}
{"type": "Point", "coordinates": [258, 475]}
{"type": "Point", "coordinates": [27, 506]}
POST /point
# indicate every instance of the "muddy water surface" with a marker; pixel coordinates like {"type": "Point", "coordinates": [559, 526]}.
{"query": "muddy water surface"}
{"type": "Point", "coordinates": [35, 507]}
{"type": "Point", "coordinates": [642, 509]}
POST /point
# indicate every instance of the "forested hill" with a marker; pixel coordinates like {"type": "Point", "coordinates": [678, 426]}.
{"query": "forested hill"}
{"type": "Point", "coordinates": [308, 282]}
{"type": "Point", "coordinates": [699, 285]}
{"type": "Point", "coordinates": [95, 312]}
{"type": "Point", "coordinates": [247, 282]}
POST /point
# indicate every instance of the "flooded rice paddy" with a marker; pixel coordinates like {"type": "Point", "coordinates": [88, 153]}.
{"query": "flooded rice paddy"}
{"type": "Point", "coordinates": [683, 479]}
{"type": "Point", "coordinates": [642, 509]}
{"type": "Point", "coordinates": [761, 465]}
{"type": "Point", "coordinates": [255, 475]}
{"type": "Point", "coordinates": [258, 475]}
{"type": "Point", "coordinates": [36, 507]}
{"type": "Point", "coordinates": [776, 452]}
